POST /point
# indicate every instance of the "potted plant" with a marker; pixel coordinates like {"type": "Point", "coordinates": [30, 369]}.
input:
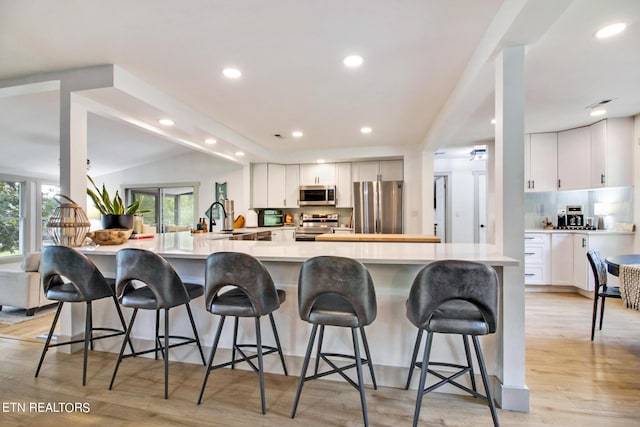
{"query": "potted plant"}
{"type": "Point", "coordinates": [114, 213]}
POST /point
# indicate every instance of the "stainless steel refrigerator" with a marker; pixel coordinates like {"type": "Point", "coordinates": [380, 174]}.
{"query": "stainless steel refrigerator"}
{"type": "Point", "coordinates": [377, 206]}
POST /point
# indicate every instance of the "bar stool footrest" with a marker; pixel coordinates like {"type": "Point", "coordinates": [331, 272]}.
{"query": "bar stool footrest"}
{"type": "Point", "coordinates": [186, 340]}
{"type": "Point", "coordinates": [116, 332]}
{"type": "Point", "coordinates": [462, 369]}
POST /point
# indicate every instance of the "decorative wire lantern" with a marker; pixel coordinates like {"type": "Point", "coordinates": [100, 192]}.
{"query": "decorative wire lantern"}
{"type": "Point", "coordinates": [69, 223]}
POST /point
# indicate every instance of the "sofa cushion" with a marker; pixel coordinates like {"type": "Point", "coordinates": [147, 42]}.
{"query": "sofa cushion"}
{"type": "Point", "coordinates": [31, 262]}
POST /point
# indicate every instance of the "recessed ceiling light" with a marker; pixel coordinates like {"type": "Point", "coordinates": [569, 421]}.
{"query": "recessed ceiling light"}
{"type": "Point", "coordinates": [610, 30]}
{"type": "Point", "coordinates": [353, 61]}
{"type": "Point", "coordinates": [319, 161]}
{"type": "Point", "coordinates": [493, 121]}
{"type": "Point", "coordinates": [232, 73]}
{"type": "Point", "coordinates": [600, 112]}
{"type": "Point", "coordinates": [166, 122]}
{"type": "Point", "coordinates": [239, 153]}
{"type": "Point", "coordinates": [210, 141]}
{"type": "Point", "coordinates": [297, 134]}
{"type": "Point", "coordinates": [365, 129]}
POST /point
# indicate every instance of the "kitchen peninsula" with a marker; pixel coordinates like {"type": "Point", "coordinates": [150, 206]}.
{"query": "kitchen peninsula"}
{"type": "Point", "coordinates": [393, 267]}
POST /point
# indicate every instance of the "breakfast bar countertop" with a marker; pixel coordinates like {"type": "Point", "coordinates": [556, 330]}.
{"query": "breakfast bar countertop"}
{"type": "Point", "coordinates": [199, 246]}
{"type": "Point", "coordinates": [377, 237]}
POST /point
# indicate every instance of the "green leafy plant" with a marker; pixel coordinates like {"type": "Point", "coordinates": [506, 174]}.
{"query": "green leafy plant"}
{"type": "Point", "coordinates": [107, 206]}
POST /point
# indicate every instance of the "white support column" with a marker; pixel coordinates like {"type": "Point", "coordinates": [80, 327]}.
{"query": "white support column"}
{"type": "Point", "coordinates": [513, 394]}
{"type": "Point", "coordinates": [73, 183]}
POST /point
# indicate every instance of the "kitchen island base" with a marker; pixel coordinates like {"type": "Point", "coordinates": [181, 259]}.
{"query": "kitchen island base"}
{"type": "Point", "coordinates": [391, 336]}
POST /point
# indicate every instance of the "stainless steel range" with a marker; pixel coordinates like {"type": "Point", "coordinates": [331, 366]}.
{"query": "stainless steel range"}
{"type": "Point", "coordinates": [312, 225]}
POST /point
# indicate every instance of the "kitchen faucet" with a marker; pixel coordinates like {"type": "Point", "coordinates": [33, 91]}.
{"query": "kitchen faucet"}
{"type": "Point", "coordinates": [212, 222]}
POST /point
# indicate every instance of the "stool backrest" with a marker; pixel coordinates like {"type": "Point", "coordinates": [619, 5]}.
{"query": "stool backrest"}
{"type": "Point", "coordinates": [341, 276]}
{"type": "Point", "coordinates": [61, 261]}
{"type": "Point", "coordinates": [152, 270]}
{"type": "Point", "coordinates": [599, 268]}
{"type": "Point", "coordinates": [443, 281]}
{"type": "Point", "coordinates": [244, 272]}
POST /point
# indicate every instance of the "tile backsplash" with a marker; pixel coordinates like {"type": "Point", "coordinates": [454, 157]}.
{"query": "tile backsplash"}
{"type": "Point", "coordinates": [538, 206]}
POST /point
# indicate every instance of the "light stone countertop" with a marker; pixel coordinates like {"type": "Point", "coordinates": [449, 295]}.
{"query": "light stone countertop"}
{"type": "Point", "coordinates": [199, 246]}
{"type": "Point", "coordinates": [596, 232]}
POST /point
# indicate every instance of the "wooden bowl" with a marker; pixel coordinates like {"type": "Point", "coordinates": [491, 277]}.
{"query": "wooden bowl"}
{"type": "Point", "coordinates": [111, 236]}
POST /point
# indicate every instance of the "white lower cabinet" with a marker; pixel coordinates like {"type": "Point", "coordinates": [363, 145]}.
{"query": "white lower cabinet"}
{"type": "Point", "coordinates": [607, 244]}
{"type": "Point", "coordinates": [562, 259]}
{"type": "Point", "coordinates": [536, 259]}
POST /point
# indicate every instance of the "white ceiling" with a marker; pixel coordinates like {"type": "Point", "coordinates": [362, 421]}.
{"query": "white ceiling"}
{"type": "Point", "coordinates": [417, 55]}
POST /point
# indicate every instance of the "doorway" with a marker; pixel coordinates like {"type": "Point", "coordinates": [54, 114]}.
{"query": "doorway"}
{"type": "Point", "coordinates": [442, 207]}
{"type": "Point", "coordinates": [480, 207]}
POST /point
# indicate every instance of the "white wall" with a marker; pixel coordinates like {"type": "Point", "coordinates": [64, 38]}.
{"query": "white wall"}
{"type": "Point", "coordinates": [461, 183]}
{"type": "Point", "coordinates": [191, 167]}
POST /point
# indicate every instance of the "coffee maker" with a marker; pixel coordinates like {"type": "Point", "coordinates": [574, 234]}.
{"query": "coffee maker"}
{"type": "Point", "coordinates": [562, 218]}
{"type": "Point", "coordinates": [575, 217]}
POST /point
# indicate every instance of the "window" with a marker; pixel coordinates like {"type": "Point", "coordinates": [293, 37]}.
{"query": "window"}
{"type": "Point", "coordinates": [49, 205]}
{"type": "Point", "coordinates": [173, 208]}
{"type": "Point", "coordinates": [12, 217]}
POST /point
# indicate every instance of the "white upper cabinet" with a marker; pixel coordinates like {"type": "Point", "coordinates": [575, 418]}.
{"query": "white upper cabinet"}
{"type": "Point", "coordinates": [318, 174]}
{"type": "Point", "coordinates": [541, 162]}
{"type": "Point", "coordinates": [274, 185]}
{"type": "Point", "coordinates": [259, 185]}
{"type": "Point", "coordinates": [612, 153]}
{"type": "Point", "coordinates": [276, 192]}
{"type": "Point", "coordinates": [292, 186]}
{"type": "Point", "coordinates": [598, 154]}
{"type": "Point", "coordinates": [574, 159]}
{"type": "Point", "coordinates": [392, 170]}
{"type": "Point", "coordinates": [385, 170]}
{"type": "Point", "coordinates": [343, 185]}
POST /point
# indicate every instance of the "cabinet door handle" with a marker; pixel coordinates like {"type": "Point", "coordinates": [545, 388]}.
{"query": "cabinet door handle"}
{"type": "Point", "coordinates": [559, 183]}
{"type": "Point", "coordinates": [529, 253]}
{"type": "Point", "coordinates": [529, 184]}
{"type": "Point", "coordinates": [584, 242]}
{"type": "Point", "coordinates": [602, 178]}
{"type": "Point", "coordinates": [529, 274]}
{"type": "Point", "coordinates": [533, 184]}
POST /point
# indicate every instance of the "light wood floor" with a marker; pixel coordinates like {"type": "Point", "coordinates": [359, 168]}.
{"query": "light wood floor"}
{"type": "Point", "coordinates": [572, 380]}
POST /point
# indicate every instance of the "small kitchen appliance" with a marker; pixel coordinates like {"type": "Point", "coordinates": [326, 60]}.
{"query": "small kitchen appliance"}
{"type": "Point", "coordinates": [270, 218]}
{"type": "Point", "coordinates": [575, 217]}
{"type": "Point", "coordinates": [251, 220]}
{"type": "Point", "coordinates": [562, 218]}
{"type": "Point", "coordinates": [317, 195]}
{"type": "Point", "coordinates": [227, 223]}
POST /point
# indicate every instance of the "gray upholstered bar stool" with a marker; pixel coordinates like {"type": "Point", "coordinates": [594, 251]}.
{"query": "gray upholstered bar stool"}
{"type": "Point", "coordinates": [336, 291]}
{"type": "Point", "coordinates": [69, 276]}
{"type": "Point", "coordinates": [253, 294]}
{"type": "Point", "coordinates": [162, 290]}
{"type": "Point", "coordinates": [453, 297]}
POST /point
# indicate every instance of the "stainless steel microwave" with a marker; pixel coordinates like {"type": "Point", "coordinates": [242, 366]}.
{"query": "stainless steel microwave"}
{"type": "Point", "coordinates": [317, 195]}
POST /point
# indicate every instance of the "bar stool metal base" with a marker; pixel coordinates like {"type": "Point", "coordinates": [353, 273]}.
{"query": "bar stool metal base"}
{"type": "Point", "coordinates": [358, 362]}
{"type": "Point", "coordinates": [160, 345]}
{"type": "Point", "coordinates": [261, 351]}
{"type": "Point", "coordinates": [88, 338]}
{"type": "Point", "coordinates": [451, 379]}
